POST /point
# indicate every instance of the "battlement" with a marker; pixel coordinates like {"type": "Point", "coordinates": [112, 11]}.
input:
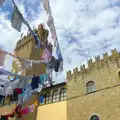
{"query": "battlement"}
{"type": "Point", "coordinates": [99, 63]}
{"type": "Point", "coordinates": [41, 32]}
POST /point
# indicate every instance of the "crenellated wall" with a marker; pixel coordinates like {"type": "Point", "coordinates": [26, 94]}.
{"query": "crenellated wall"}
{"type": "Point", "coordinates": [28, 42]}
{"type": "Point", "coordinates": [25, 48]}
{"type": "Point", "coordinates": [99, 64]}
{"type": "Point", "coordinates": [104, 101]}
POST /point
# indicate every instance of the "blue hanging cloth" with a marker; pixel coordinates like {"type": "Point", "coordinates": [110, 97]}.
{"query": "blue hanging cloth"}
{"type": "Point", "coordinates": [58, 52]}
{"type": "Point", "coordinates": [27, 93]}
{"type": "Point", "coordinates": [37, 40]}
{"type": "Point", "coordinates": [43, 78]}
{"type": "Point", "coordinates": [18, 19]}
{"type": "Point", "coordinates": [41, 100]}
{"type": "Point", "coordinates": [35, 82]}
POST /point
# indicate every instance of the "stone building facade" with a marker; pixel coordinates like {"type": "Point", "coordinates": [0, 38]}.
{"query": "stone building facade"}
{"type": "Point", "coordinates": [94, 92]}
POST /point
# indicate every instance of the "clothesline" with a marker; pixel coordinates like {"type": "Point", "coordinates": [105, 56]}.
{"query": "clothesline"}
{"type": "Point", "coordinates": [37, 40]}
{"type": "Point", "coordinates": [18, 19]}
{"type": "Point", "coordinates": [57, 64]}
{"type": "Point", "coordinates": [11, 112]}
{"type": "Point", "coordinates": [51, 62]}
{"type": "Point", "coordinates": [21, 111]}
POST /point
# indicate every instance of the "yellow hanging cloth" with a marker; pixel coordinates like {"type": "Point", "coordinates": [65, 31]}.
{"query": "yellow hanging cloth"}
{"type": "Point", "coordinates": [35, 103]}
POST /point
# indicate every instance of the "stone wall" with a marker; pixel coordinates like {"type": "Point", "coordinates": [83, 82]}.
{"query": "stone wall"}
{"type": "Point", "coordinates": [104, 102]}
{"type": "Point", "coordinates": [25, 48]}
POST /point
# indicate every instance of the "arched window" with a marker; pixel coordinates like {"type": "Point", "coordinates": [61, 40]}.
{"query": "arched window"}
{"type": "Point", "coordinates": [48, 98]}
{"type": "Point", "coordinates": [94, 117]}
{"type": "Point", "coordinates": [41, 99]}
{"type": "Point", "coordinates": [56, 96]}
{"type": "Point", "coordinates": [63, 94]}
{"type": "Point", "coordinates": [90, 87]}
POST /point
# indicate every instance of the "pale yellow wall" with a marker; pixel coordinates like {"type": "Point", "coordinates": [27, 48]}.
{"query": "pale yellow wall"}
{"type": "Point", "coordinates": [54, 111]}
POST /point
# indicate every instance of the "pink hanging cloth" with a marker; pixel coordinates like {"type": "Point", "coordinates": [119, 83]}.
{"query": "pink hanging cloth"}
{"type": "Point", "coordinates": [25, 111]}
{"type": "Point", "coordinates": [53, 35]}
{"type": "Point", "coordinates": [46, 54]}
{"type": "Point", "coordinates": [31, 108]}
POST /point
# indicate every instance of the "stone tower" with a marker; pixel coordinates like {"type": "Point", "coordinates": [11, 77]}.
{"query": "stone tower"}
{"type": "Point", "coordinates": [25, 48]}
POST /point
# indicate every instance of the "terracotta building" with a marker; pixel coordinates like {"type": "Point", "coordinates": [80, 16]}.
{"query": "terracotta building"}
{"type": "Point", "coordinates": [94, 92]}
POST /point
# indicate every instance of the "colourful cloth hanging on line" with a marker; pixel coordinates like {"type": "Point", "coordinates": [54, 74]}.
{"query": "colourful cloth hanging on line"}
{"type": "Point", "coordinates": [17, 19]}
{"type": "Point", "coordinates": [59, 55]}
{"type": "Point", "coordinates": [27, 93]}
{"type": "Point", "coordinates": [35, 103]}
{"type": "Point", "coordinates": [9, 90]}
{"type": "Point", "coordinates": [53, 35]}
{"type": "Point", "coordinates": [5, 72]}
{"type": "Point", "coordinates": [46, 6]}
{"type": "Point", "coordinates": [41, 100]}
{"type": "Point", "coordinates": [12, 115]}
{"type": "Point", "coordinates": [1, 2]}
{"type": "Point", "coordinates": [24, 63]}
{"type": "Point", "coordinates": [35, 82]}
{"type": "Point", "coordinates": [4, 118]}
{"type": "Point", "coordinates": [43, 78]}
{"type": "Point", "coordinates": [46, 54]}
{"type": "Point", "coordinates": [31, 108]}
{"type": "Point", "coordinates": [20, 99]}
{"type": "Point", "coordinates": [19, 90]}
{"type": "Point", "coordinates": [50, 21]}
{"type": "Point", "coordinates": [2, 98]}
{"type": "Point", "coordinates": [53, 64]}
{"type": "Point", "coordinates": [2, 57]}
{"type": "Point", "coordinates": [25, 111]}
{"type": "Point", "coordinates": [37, 40]}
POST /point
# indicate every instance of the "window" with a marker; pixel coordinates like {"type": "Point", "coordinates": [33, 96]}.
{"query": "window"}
{"type": "Point", "coordinates": [63, 94]}
{"type": "Point", "coordinates": [94, 117]}
{"type": "Point", "coordinates": [119, 74]}
{"type": "Point", "coordinates": [48, 98]}
{"type": "Point", "coordinates": [55, 96]}
{"type": "Point", "coordinates": [42, 99]}
{"type": "Point", "coordinates": [90, 87]}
